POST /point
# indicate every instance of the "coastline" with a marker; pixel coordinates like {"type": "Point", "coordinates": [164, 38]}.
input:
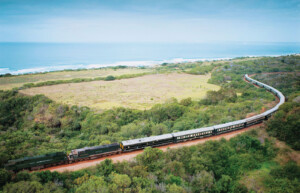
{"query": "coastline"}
{"type": "Point", "coordinates": [149, 63]}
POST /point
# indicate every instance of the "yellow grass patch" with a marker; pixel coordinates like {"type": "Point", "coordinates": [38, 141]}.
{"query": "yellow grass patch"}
{"type": "Point", "coordinates": [139, 93]}
{"type": "Point", "coordinates": [17, 81]}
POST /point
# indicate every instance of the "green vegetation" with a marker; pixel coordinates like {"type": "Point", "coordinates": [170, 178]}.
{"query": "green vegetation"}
{"type": "Point", "coordinates": [9, 81]}
{"type": "Point", "coordinates": [37, 125]}
{"type": "Point", "coordinates": [285, 125]}
{"type": "Point", "coordinates": [203, 69]}
{"type": "Point", "coordinates": [287, 83]}
{"type": "Point", "coordinates": [227, 95]}
{"type": "Point", "coordinates": [77, 80]}
{"type": "Point", "coordinates": [34, 125]}
{"type": "Point", "coordinates": [232, 71]}
{"type": "Point", "coordinates": [215, 166]}
{"type": "Point", "coordinates": [284, 178]}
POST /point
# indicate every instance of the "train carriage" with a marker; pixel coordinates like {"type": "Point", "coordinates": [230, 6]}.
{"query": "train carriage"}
{"type": "Point", "coordinates": [231, 126]}
{"type": "Point", "coordinates": [193, 134]}
{"type": "Point", "coordinates": [141, 143]}
{"type": "Point", "coordinates": [255, 120]}
{"type": "Point", "coordinates": [94, 152]}
{"type": "Point", "coordinates": [37, 162]}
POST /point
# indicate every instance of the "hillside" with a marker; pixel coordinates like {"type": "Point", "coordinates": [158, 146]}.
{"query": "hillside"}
{"type": "Point", "coordinates": [33, 125]}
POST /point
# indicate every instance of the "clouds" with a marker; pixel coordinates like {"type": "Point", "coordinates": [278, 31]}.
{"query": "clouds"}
{"type": "Point", "coordinates": [148, 21]}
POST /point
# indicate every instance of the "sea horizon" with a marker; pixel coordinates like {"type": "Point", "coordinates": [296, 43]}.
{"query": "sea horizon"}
{"type": "Point", "coordinates": [35, 57]}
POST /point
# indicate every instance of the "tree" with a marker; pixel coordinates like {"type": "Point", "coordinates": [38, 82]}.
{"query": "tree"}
{"type": "Point", "coordinates": [173, 188]}
{"type": "Point", "coordinates": [3, 156]}
{"type": "Point", "coordinates": [159, 129]}
{"type": "Point", "coordinates": [120, 183]}
{"type": "Point", "coordinates": [171, 179]}
{"type": "Point", "coordinates": [24, 186]}
{"type": "Point", "coordinates": [176, 168]}
{"type": "Point", "coordinates": [5, 176]}
{"type": "Point", "coordinates": [106, 167]}
{"type": "Point", "coordinates": [169, 111]}
{"type": "Point", "coordinates": [47, 176]}
{"type": "Point", "coordinates": [224, 184]}
{"type": "Point", "coordinates": [186, 102]}
{"type": "Point", "coordinates": [202, 182]}
{"type": "Point", "coordinates": [285, 124]}
{"type": "Point", "coordinates": [150, 158]}
{"type": "Point", "coordinates": [22, 176]}
{"type": "Point", "coordinates": [94, 184]}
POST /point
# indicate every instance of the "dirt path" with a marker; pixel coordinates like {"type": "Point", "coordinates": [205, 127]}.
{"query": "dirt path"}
{"type": "Point", "coordinates": [130, 155]}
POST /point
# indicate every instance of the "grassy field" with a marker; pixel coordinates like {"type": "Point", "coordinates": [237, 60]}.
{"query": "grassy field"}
{"type": "Point", "coordinates": [17, 81]}
{"type": "Point", "coordinates": [139, 93]}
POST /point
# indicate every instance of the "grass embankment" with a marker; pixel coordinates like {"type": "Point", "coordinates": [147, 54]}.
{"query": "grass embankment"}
{"type": "Point", "coordinates": [138, 93]}
{"type": "Point", "coordinates": [19, 80]}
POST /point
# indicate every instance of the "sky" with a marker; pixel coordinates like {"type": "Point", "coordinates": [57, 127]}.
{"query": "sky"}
{"type": "Point", "coordinates": [174, 21]}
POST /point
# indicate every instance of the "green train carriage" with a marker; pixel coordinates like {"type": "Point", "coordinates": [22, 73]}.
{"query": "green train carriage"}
{"type": "Point", "coordinates": [37, 162]}
{"type": "Point", "coordinates": [94, 152]}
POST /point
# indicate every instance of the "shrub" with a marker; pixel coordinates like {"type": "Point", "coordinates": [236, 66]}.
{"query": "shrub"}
{"type": "Point", "coordinates": [109, 78]}
{"type": "Point", "coordinates": [5, 177]}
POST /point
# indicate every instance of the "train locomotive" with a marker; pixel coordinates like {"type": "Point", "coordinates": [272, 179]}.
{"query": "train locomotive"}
{"type": "Point", "coordinates": [86, 153]}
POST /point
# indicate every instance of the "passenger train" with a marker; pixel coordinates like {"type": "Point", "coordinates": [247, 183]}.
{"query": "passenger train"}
{"type": "Point", "coordinates": [44, 161]}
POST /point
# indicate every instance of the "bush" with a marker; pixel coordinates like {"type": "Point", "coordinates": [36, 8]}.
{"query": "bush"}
{"type": "Point", "coordinates": [5, 177]}
{"type": "Point", "coordinates": [186, 102]}
{"type": "Point", "coordinates": [109, 78]}
{"type": "Point", "coordinates": [22, 176]}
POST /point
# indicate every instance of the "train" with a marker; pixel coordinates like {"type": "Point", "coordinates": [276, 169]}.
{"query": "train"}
{"type": "Point", "coordinates": [87, 153]}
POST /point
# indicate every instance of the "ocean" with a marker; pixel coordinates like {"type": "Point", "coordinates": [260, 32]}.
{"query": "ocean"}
{"type": "Point", "coordinates": [19, 58]}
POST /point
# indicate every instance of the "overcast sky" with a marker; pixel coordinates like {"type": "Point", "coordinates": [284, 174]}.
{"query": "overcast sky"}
{"type": "Point", "coordinates": [149, 21]}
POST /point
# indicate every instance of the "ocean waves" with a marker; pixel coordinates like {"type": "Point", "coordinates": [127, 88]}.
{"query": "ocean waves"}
{"type": "Point", "coordinates": [96, 66]}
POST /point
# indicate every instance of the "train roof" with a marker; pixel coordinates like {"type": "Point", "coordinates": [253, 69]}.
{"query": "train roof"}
{"type": "Point", "coordinates": [192, 131]}
{"type": "Point", "coordinates": [97, 147]}
{"type": "Point", "coordinates": [36, 157]}
{"type": "Point", "coordinates": [254, 117]}
{"type": "Point", "coordinates": [229, 124]}
{"type": "Point", "coordinates": [275, 108]}
{"type": "Point", "coordinates": [147, 139]}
